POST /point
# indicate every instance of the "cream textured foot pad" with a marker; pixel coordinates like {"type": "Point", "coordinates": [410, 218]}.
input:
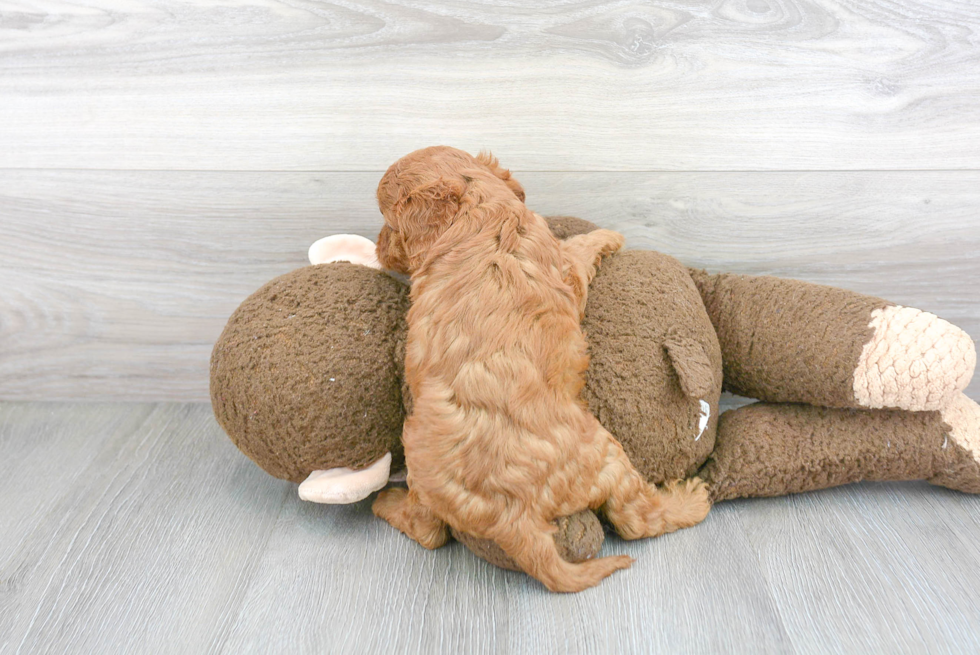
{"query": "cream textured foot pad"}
{"type": "Point", "coordinates": [344, 248]}
{"type": "Point", "coordinates": [342, 486]}
{"type": "Point", "coordinates": [963, 417]}
{"type": "Point", "coordinates": [915, 361]}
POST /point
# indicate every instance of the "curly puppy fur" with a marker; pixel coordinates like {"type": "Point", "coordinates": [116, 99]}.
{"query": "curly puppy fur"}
{"type": "Point", "coordinates": [499, 442]}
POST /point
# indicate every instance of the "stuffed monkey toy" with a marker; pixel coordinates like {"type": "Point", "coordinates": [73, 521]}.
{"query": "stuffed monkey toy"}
{"type": "Point", "coordinates": [306, 379]}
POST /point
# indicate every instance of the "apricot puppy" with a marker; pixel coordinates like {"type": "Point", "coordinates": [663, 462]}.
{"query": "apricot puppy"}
{"type": "Point", "coordinates": [499, 442]}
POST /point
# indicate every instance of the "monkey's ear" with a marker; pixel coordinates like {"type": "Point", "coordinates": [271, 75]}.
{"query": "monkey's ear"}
{"type": "Point", "coordinates": [691, 362]}
{"type": "Point", "coordinates": [491, 162]}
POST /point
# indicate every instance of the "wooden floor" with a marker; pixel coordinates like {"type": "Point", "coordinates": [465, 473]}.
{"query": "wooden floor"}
{"type": "Point", "coordinates": [139, 528]}
{"type": "Point", "coordinates": [159, 161]}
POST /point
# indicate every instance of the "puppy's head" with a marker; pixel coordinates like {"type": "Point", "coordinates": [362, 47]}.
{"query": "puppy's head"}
{"type": "Point", "coordinates": [423, 193]}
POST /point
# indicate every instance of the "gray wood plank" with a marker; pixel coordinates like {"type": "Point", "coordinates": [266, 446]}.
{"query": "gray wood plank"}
{"type": "Point", "coordinates": [338, 580]}
{"type": "Point", "coordinates": [116, 284]}
{"type": "Point", "coordinates": [165, 539]}
{"type": "Point", "coordinates": [335, 579]}
{"type": "Point", "coordinates": [148, 543]}
{"type": "Point", "coordinates": [695, 591]}
{"type": "Point", "coordinates": [594, 85]}
{"type": "Point", "coordinates": [872, 568]}
{"type": "Point", "coordinates": [42, 458]}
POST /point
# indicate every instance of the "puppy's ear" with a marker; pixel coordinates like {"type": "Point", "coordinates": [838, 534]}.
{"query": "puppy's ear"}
{"type": "Point", "coordinates": [440, 199]}
{"type": "Point", "coordinates": [491, 162]}
{"type": "Point", "coordinates": [423, 215]}
{"type": "Point", "coordinates": [390, 251]}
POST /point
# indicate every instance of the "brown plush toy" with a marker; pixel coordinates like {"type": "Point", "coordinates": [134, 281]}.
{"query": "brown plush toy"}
{"type": "Point", "coordinates": [306, 379]}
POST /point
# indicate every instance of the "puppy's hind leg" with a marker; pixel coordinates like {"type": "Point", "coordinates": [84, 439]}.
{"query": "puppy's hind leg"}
{"type": "Point", "coordinates": [639, 509]}
{"type": "Point", "coordinates": [403, 510]}
{"type": "Point", "coordinates": [531, 545]}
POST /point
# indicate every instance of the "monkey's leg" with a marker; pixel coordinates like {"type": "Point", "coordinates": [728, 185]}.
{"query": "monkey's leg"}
{"type": "Point", "coordinates": [792, 341]}
{"type": "Point", "coordinates": [772, 449]}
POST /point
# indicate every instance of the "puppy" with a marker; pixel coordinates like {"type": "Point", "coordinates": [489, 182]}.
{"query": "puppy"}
{"type": "Point", "coordinates": [499, 442]}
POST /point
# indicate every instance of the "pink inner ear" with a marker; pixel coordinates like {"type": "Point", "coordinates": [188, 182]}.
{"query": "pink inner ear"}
{"type": "Point", "coordinates": [344, 248]}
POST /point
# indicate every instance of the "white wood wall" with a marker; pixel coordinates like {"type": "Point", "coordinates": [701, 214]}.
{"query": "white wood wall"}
{"type": "Point", "coordinates": [160, 161]}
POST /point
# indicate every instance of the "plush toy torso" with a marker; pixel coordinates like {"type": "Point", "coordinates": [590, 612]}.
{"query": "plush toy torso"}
{"type": "Point", "coordinates": [654, 378]}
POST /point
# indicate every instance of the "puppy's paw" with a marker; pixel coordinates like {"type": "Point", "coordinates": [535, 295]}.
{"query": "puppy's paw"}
{"type": "Point", "coordinates": [609, 242]}
{"type": "Point", "coordinates": [386, 505]}
{"type": "Point", "coordinates": [398, 507]}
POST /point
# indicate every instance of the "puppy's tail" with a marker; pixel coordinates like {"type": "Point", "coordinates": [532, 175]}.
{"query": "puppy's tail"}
{"type": "Point", "coordinates": [533, 548]}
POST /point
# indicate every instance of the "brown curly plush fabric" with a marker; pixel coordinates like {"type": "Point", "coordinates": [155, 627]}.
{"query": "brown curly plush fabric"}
{"type": "Point", "coordinates": [769, 449]}
{"type": "Point", "coordinates": [644, 312]}
{"type": "Point", "coordinates": [768, 356]}
{"type": "Point", "coordinates": [568, 226]}
{"type": "Point", "coordinates": [308, 360]}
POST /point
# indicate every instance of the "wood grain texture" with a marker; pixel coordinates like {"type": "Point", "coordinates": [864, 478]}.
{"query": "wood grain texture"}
{"type": "Point", "coordinates": [894, 555]}
{"type": "Point", "coordinates": [116, 284]}
{"type": "Point", "coordinates": [162, 537]}
{"type": "Point", "coordinates": [370, 589]}
{"type": "Point", "coordinates": [558, 86]}
{"type": "Point", "coordinates": [147, 543]}
{"type": "Point", "coordinates": [42, 457]}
